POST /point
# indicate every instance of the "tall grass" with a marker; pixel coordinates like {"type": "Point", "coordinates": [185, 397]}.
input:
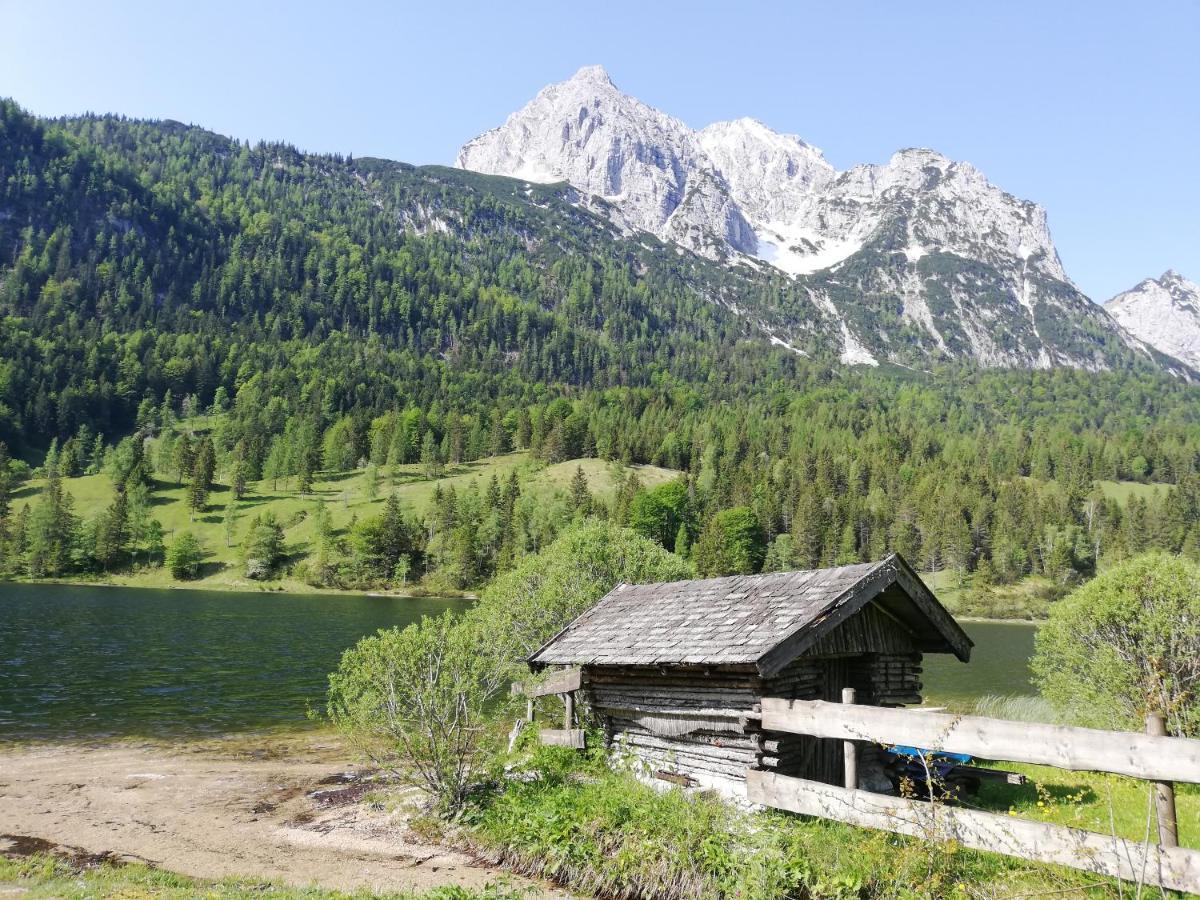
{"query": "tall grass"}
{"type": "Point", "coordinates": [1018, 709]}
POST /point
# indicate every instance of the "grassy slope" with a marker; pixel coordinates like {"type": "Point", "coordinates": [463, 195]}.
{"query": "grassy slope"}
{"type": "Point", "coordinates": [1025, 599]}
{"type": "Point", "coordinates": [1124, 491]}
{"type": "Point", "coordinates": [1095, 801]}
{"type": "Point", "coordinates": [345, 494]}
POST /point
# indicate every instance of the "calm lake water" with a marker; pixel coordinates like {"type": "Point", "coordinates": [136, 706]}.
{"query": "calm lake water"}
{"type": "Point", "coordinates": [999, 665]}
{"type": "Point", "coordinates": [85, 662]}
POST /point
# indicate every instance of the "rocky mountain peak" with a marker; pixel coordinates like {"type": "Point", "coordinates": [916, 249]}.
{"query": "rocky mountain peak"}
{"type": "Point", "coordinates": [1164, 313]}
{"type": "Point", "coordinates": [914, 258]}
{"type": "Point", "coordinates": [597, 75]}
{"type": "Point", "coordinates": [648, 164]}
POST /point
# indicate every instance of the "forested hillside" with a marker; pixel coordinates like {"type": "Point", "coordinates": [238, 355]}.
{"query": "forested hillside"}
{"type": "Point", "coordinates": [182, 311]}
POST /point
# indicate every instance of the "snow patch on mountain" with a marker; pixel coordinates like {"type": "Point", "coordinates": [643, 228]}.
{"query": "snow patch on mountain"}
{"type": "Point", "coordinates": [1164, 313]}
{"type": "Point", "coordinates": [800, 250]}
{"type": "Point", "coordinates": [853, 351]}
{"type": "Point", "coordinates": [787, 345]}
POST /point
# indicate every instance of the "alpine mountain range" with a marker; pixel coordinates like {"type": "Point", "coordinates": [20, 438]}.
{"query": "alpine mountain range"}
{"type": "Point", "coordinates": [915, 260]}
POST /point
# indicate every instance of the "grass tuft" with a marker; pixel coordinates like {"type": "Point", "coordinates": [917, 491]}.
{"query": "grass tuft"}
{"type": "Point", "coordinates": [1018, 709]}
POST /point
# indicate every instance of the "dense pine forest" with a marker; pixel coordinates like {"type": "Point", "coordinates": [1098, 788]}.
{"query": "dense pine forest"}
{"type": "Point", "coordinates": [184, 312]}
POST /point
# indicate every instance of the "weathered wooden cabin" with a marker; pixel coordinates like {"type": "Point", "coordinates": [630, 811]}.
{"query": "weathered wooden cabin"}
{"type": "Point", "coordinates": [676, 671]}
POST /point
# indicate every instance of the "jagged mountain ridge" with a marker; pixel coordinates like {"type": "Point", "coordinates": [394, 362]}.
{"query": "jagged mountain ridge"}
{"type": "Point", "coordinates": [1164, 313]}
{"type": "Point", "coordinates": [912, 260]}
{"type": "Point", "coordinates": [654, 168]}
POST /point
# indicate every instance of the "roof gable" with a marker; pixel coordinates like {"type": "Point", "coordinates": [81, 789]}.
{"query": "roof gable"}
{"type": "Point", "coordinates": [763, 621]}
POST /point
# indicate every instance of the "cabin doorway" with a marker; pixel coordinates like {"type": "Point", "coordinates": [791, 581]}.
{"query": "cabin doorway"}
{"type": "Point", "coordinates": [818, 759]}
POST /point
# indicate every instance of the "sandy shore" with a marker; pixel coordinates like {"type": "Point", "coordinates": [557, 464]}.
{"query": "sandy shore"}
{"type": "Point", "coordinates": [278, 807]}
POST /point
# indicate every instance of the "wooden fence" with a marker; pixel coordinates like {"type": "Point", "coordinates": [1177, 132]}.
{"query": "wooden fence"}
{"type": "Point", "coordinates": [1149, 756]}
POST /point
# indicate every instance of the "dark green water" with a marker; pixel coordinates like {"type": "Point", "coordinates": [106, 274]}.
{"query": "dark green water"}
{"type": "Point", "coordinates": [87, 662]}
{"type": "Point", "coordinates": [999, 665]}
{"type": "Point", "coordinates": [83, 662]}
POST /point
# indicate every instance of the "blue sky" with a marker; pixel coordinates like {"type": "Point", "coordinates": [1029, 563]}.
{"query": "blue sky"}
{"type": "Point", "coordinates": [1090, 108]}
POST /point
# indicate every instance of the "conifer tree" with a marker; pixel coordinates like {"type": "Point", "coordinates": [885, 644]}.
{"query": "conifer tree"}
{"type": "Point", "coordinates": [202, 474]}
{"type": "Point", "coordinates": [112, 531]}
{"type": "Point", "coordinates": [431, 462]}
{"type": "Point", "coordinates": [6, 483]}
{"type": "Point", "coordinates": [581, 497]}
{"type": "Point", "coordinates": [229, 521]}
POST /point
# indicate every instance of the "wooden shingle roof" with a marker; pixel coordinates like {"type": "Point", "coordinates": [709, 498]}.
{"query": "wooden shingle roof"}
{"type": "Point", "coordinates": [760, 620]}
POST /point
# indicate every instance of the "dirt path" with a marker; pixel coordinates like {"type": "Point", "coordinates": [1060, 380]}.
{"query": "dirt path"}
{"type": "Point", "coordinates": [273, 808]}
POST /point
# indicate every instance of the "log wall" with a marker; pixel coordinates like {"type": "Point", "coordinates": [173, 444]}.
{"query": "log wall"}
{"type": "Point", "coordinates": [703, 726]}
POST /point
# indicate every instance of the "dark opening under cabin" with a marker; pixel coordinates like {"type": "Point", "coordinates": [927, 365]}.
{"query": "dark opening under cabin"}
{"type": "Point", "coordinates": [675, 672]}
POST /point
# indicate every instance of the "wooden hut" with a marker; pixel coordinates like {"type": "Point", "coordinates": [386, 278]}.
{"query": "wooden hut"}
{"type": "Point", "coordinates": [676, 671]}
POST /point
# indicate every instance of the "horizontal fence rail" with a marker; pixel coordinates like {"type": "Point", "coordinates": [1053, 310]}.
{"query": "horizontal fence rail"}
{"type": "Point", "coordinates": [1077, 749]}
{"type": "Point", "coordinates": [1170, 867]}
{"type": "Point", "coordinates": [563, 737]}
{"type": "Point", "coordinates": [555, 683]}
{"type": "Point", "coordinates": [1153, 757]}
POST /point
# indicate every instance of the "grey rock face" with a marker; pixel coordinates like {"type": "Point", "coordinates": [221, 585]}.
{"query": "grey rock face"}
{"type": "Point", "coordinates": [915, 259]}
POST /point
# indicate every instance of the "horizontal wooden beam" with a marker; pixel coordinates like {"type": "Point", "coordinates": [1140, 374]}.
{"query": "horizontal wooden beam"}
{"type": "Point", "coordinates": [562, 682]}
{"type": "Point", "coordinates": [1169, 867]}
{"type": "Point", "coordinates": [1076, 749]}
{"type": "Point", "coordinates": [559, 737]}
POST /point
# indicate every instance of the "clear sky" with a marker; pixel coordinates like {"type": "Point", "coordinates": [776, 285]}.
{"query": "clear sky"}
{"type": "Point", "coordinates": [1090, 108]}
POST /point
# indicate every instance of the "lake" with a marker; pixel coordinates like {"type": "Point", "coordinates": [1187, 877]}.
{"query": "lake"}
{"type": "Point", "coordinates": [91, 662]}
{"type": "Point", "coordinates": [999, 665]}
{"type": "Point", "coordinates": [83, 662]}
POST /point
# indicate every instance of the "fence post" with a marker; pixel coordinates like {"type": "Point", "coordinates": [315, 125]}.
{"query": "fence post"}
{"type": "Point", "coordinates": [1164, 792]}
{"type": "Point", "coordinates": [528, 709]}
{"type": "Point", "coordinates": [849, 748]}
{"type": "Point", "coordinates": [569, 710]}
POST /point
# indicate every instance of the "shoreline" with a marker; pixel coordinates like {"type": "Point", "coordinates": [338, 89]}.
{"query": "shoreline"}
{"type": "Point", "coordinates": [983, 620]}
{"type": "Point", "coordinates": [287, 586]}
{"type": "Point", "coordinates": [280, 586]}
{"type": "Point", "coordinates": [183, 741]}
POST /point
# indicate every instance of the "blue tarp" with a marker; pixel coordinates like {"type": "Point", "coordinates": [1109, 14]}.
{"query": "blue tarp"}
{"type": "Point", "coordinates": [939, 755]}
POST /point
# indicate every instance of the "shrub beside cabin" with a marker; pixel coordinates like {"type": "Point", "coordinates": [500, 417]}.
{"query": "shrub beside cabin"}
{"type": "Point", "coordinates": [676, 672]}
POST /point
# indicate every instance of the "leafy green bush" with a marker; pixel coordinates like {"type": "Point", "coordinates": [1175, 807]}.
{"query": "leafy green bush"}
{"type": "Point", "coordinates": [1126, 644]}
{"type": "Point", "coordinates": [184, 556]}
{"type": "Point", "coordinates": [263, 548]}
{"type": "Point", "coordinates": [415, 700]}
